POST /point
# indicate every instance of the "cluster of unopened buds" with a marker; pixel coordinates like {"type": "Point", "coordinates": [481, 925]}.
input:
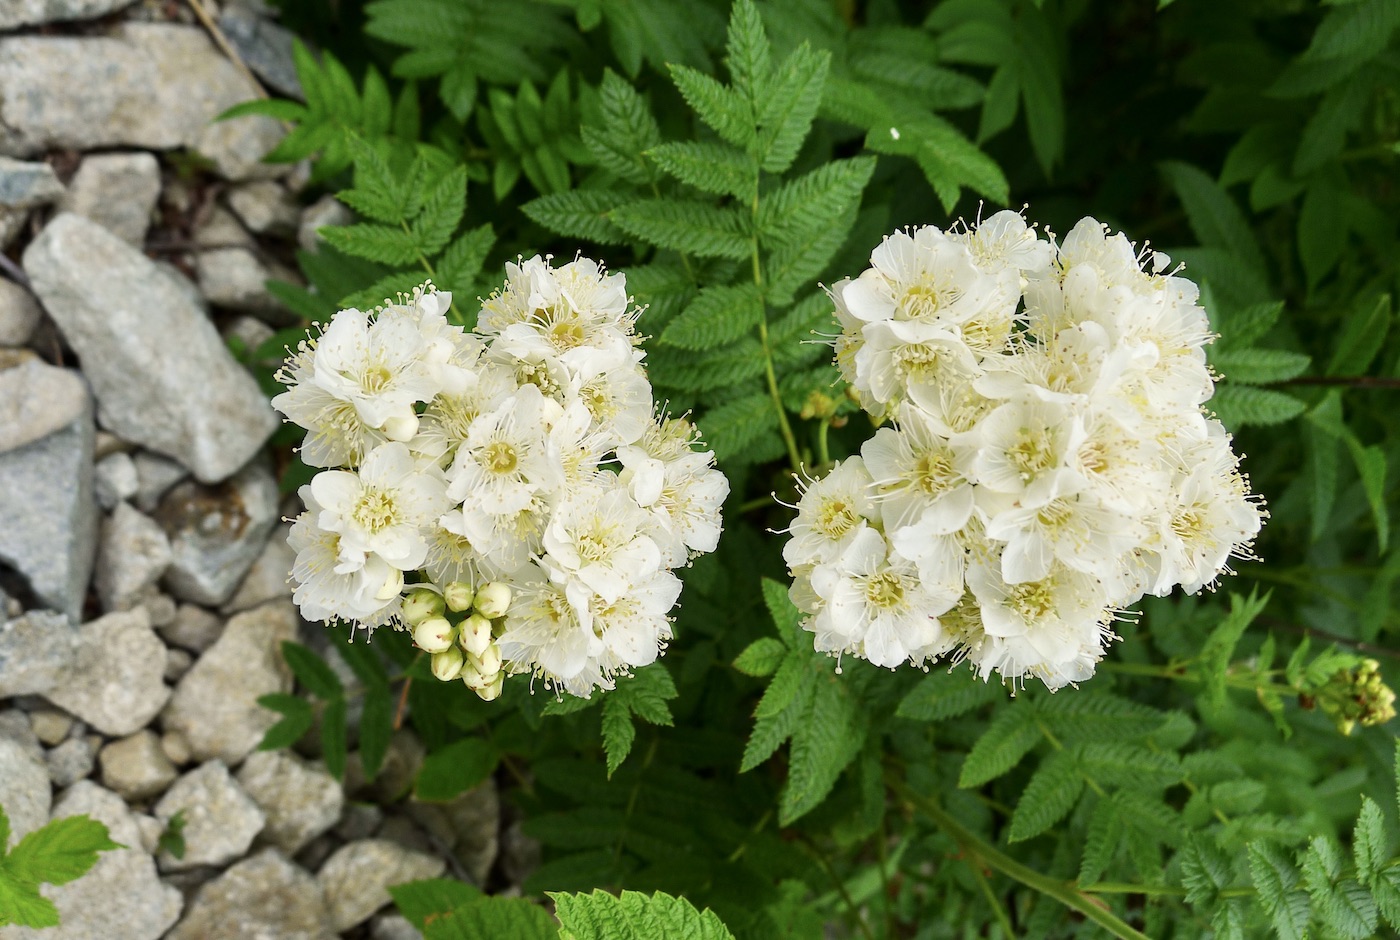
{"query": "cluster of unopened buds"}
{"type": "Point", "coordinates": [510, 489]}
{"type": "Point", "coordinates": [1358, 696]}
{"type": "Point", "coordinates": [1048, 460]}
{"type": "Point", "coordinates": [458, 627]}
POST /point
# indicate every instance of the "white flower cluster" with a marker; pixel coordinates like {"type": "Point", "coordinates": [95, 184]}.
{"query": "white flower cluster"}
{"type": "Point", "coordinates": [1049, 459]}
{"type": "Point", "coordinates": [526, 453]}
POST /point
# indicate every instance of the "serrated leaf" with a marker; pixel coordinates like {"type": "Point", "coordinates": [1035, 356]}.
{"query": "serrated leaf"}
{"type": "Point", "coordinates": [771, 730]}
{"type": "Point", "coordinates": [1368, 843]}
{"type": "Point", "coordinates": [455, 769]}
{"type": "Point", "coordinates": [690, 227]}
{"type": "Point", "coordinates": [823, 744]}
{"type": "Point", "coordinates": [634, 916]}
{"type": "Point", "coordinates": [376, 728]}
{"type": "Point", "coordinates": [1241, 405]}
{"type": "Point", "coordinates": [761, 657]}
{"type": "Point", "coordinates": [940, 696]}
{"type": "Point", "coordinates": [333, 737]}
{"type": "Point", "coordinates": [1205, 870]}
{"type": "Point", "coordinates": [312, 671]}
{"type": "Point", "coordinates": [1261, 366]}
{"type": "Point", "coordinates": [1362, 337]}
{"type": "Point", "coordinates": [733, 426]}
{"type": "Point", "coordinates": [59, 851]}
{"type": "Point", "coordinates": [786, 109]}
{"type": "Point", "coordinates": [1053, 790]}
{"type": "Point", "coordinates": [375, 242]}
{"type": "Point", "coordinates": [1101, 841]}
{"type": "Point", "coordinates": [579, 213]}
{"type": "Point", "coordinates": [716, 316]}
{"type": "Point", "coordinates": [22, 905]}
{"type": "Point", "coordinates": [807, 204]}
{"type": "Point", "coordinates": [420, 901]}
{"type": "Point", "coordinates": [1213, 215]}
{"type": "Point", "coordinates": [722, 108]}
{"type": "Point", "coordinates": [787, 619]}
{"type": "Point", "coordinates": [493, 918]}
{"type": "Point", "coordinates": [709, 166]}
{"type": "Point", "coordinates": [442, 210]}
{"type": "Point", "coordinates": [296, 721]}
{"type": "Point", "coordinates": [1009, 738]}
{"type": "Point", "coordinates": [460, 264]}
{"type": "Point", "coordinates": [1220, 645]}
{"type": "Point", "coordinates": [627, 132]}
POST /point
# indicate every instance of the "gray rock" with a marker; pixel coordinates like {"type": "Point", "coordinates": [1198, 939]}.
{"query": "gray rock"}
{"type": "Point", "coordinates": [149, 85]}
{"type": "Point", "coordinates": [300, 800]}
{"type": "Point", "coordinates": [234, 278]}
{"type": "Point", "coordinates": [520, 854]}
{"type": "Point", "coordinates": [265, 46]}
{"type": "Point", "coordinates": [70, 762]}
{"type": "Point", "coordinates": [116, 190]}
{"type": "Point", "coordinates": [264, 897]}
{"type": "Point", "coordinates": [51, 725]}
{"type": "Point", "coordinates": [155, 475]}
{"type": "Point", "coordinates": [359, 821]}
{"type": "Point", "coordinates": [217, 532]}
{"type": "Point", "coordinates": [46, 498]}
{"type": "Point", "coordinates": [193, 628]}
{"type": "Point", "coordinates": [24, 788]}
{"type": "Point", "coordinates": [215, 705]}
{"type": "Point", "coordinates": [16, 13]}
{"type": "Point", "coordinates": [219, 228]}
{"type": "Point", "coordinates": [267, 579]}
{"type": "Point", "coordinates": [476, 822]}
{"type": "Point", "coordinates": [115, 684]}
{"type": "Point", "coordinates": [132, 557]}
{"type": "Point", "coordinates": [15, 726]}
{"type": "Point", "coordinates": [115, 479]}
{"type": "Point", "coordinates": [356, 878]}
{"type": "Point", "coordinates": [323, 212]}
{"type": "Point", "coordinates": [136, 767]}
{"type": "Point", "coordinates": [175, 746]}
{"type": "Point", "coordinates": [19, 314]}
{"type": "Point", "coordinates": [151, 830]}
{"type": "Point", "coordinates": [121, 889]}
{"type": "Point", "coordinates": [265, 207]}
{"type": "Point", "coordinates": [177, 663]}
{"type": "Point", "coordinates": [162, 610]}
{"type": "Point", "coordinates": [36, 651]}
{"type": "Point", "coordinates": [249, 332]}
{"type": "Point", "coordinates": [220, 820]}
{"type": "Point", "coordinates": [26, 185]}
{"type": "Point", "coordinates": [161, 374]}
{"type": "Point", "coordinates": [393, 927]}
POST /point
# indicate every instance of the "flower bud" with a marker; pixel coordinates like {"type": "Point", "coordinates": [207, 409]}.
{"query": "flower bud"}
{"type": "Point", "coordinates": [458, 595]}
{"type": "Point", "coordinates": [420, 605]}
{"type": "Point", "coordinates": [433, 635]}
{"type": "Point", "coordinates": [475, 635]}
{"type": "Point", "coordinates": [493, 599]}
{"type": "Point", "coordinates": [489, 662]}
{"type": "Point", "coordinates": [473, 679]}
{"type": "Point", "coordinates": [393, 584]}
{"type": "Point", "coordinates": [447, 665]}
{"type": "Point", "coordinates": [401, 428]}
{"type": "Point", "coordinates": [493, 690]}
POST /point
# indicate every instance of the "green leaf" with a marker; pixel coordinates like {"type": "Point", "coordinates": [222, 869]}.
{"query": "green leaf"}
{"type": "Point", "coordinates": [312, 671]}
{"type": "Point", "coordinates": [627, 132]}
{"type": "Point", "coordinates": [460, 264]}
{"type": "Point", "coordinates": [1368, 841]}
{"type": "Point", "coordinates": [940, 696]}
{"type": "Point", "coordinates": [1009, 738]}
{"type": "Point", "coordinates": [1362, 337]}
{"type": "Point", "coordinates": [689, 227]}
{"type": "Point", "coordinates": [1101, 841]}
{"type": "Point", "coordinates": [807, 204]}
{"type": "Point", "coordinates": [645, 694]}
{"type": "Point", "coordinates": [297, 719]}
{"type": "Point", "coordinates": [1220, 645]}
{"type": "Point", "coordinates": [333, 737]}
{"type": "Point", "coordinates": [60, 851]}
{"type": "Point", "coordinates": [709, 166]}
{"type": "Point", "coordinates": [824, 743]}
{"type": "Point", "coordinates": [376, 728]}
{"type": "Point", "coordinates": [1205, 870]}
{"type": "Point", "coordinates": [634, 916]}
{"type": "Point", "coordinates": [1213, 215]}
{"type": "Point", "coordinates": [22, 905]}
{"type": "Point", "coordinates": [448, 773]}
{"type": "Point", "coordinates": [579, 213]}
{"type": "Point", "coordinates": [723, 109]}
{"type": "Point", "coordinates": [421, 901]}
{"type": "Point", "coordinates": [1240, 405]}
{"type": "Point", "coordinates": [1053, 790]}
{"type": "Point", "coordinates": [1322, 232]}
{"type": "Point", "coordinates": [442, 210]}
{"type": "Point", "coordinates": [493, 918]}
{"type": "Point", "coordinates": [1041, 87]}
{"type": "Point", "coordinates": [771, 729]}
{"type": "Point", "coordinates": [733, 426]}
{"type": "Point", "coordinates": [761, 657]}
{"type": "Point", "coordinates": [374, 242]}
{"type": "Point", "coordinates": [1261, 366]}
{"type": "Point", "coordinates": [788, 106]}
{"type": "Point", "coordinates": [1371, 465]}
{"type": "Point", "coordinates": [716, 316]}
{"type": "Point", "coordinates": [1276, 880]}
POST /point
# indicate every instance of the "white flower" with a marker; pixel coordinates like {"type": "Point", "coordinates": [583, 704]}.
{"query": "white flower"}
{"type": "Point", "coordinates": [504, 461]}
{"type": "Point", "coordinates": [1072, 527]}
{"type": "Point", "coordinates": [831, 514]}
{"type": "Point", "coordinates": [685, 512]}
{"type": "Point", "coordinates": [620, 403]}
{"type": "Point", "coordinates": [382, 508]}
{"type": "Point", "coordinates": [337, 435]}
{"type": "Point", "coordinates": [876, 605]}
{"type": "Point", "coordinates": [322, 590]}
{"type": "Point", "coordinates": [596, 541]}
{"type": "Point", "coordinates": [916, 474]}
{"type": "Point", "coordinates": [1022, 448]}
{"type": "Point", "coordinates": [449, 416]}
{"type": "Point", "coordinates": [924, 276]}
{"type": "Point", "coordinates": [548, 635]}
{"type": "Point", "coordinates": [378, 366]}
{"type": "Point", "coordinates": [899, 359]}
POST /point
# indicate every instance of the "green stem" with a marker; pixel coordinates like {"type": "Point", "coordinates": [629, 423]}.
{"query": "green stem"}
{"type": "Point", "coordinates": [998, 909]}
{"type": "Point", "coordinates": [794, 457]}
{"type": "Point", "coordinates": [840, 887]}
{"type": "Point", "coordinates": [432, 275]}
{"type": "Point", "coordinates": [823, 450]}
{"type": "Point", "coordinates": [977, 847]}
{"type": "Point", "coordinates": [1152, 891]}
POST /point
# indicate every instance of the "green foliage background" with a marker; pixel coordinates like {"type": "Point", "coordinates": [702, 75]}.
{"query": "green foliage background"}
{"type": "Point", "coordinates": [732, 161]}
